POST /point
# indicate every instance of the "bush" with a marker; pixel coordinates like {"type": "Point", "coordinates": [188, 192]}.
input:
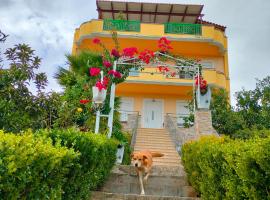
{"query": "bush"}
{"type": "Point", "coordinates": [32, 168]}
{"type": "Point", "coordinates": [97, 157]}
{"type": "Point", "coordinates": [220, 168]}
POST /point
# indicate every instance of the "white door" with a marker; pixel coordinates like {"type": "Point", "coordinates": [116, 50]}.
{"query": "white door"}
{"type": "Point", "coordinates": [181, 111]}
{"type": "Point", "coordinates": [153, 114]}
{"type": "Point", "coordinates": [126, 107]}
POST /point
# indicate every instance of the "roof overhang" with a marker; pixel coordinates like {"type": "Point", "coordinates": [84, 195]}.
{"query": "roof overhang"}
{"type": "Point", "coordinates": [149, 12]}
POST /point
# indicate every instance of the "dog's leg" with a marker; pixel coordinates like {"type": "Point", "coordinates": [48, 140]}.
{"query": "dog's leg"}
{"type": "Point", "coordinates": [146, 177]}
{"type": "Point", "coordinates": [141, 182]}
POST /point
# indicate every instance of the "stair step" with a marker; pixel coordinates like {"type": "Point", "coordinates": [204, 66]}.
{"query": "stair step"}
{"type": "Point", "coordinates": [114, 196]}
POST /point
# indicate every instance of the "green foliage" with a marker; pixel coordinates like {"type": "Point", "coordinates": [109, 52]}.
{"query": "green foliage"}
{"type": "Point", "coordinates": [32, 168]}
{"type": "Point", "coordinates": [97, 157]}
{"type": "Point", "coordinates": [220, 168]}
{"type": "Point", "coordinates": [254, 105]}
{"type": "Point", "coordinates": [19, 108]}
{"type": "Point", "coordinates": [224, 119]}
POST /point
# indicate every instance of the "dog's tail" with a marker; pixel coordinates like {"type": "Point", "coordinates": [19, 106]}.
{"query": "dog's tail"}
{"type": "Point", "coordinates": [156, 154]}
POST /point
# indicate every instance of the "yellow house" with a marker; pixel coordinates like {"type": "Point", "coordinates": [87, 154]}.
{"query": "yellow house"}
{"type": "Point", "coordinates": [151, 93]}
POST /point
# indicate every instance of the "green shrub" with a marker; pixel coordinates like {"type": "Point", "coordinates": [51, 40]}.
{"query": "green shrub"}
{"type": "Point", "coordinates": [32, 168]}
{"type": "Point", "coordinates": [97, 157]}
{"type": "Point", "coordinates": [127, 152]}
{"type": "Point", "coordinates": [220, 168]}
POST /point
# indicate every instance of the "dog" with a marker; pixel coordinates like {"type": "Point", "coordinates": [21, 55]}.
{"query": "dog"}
{"type": "Point", "coordinates": [143, 161]}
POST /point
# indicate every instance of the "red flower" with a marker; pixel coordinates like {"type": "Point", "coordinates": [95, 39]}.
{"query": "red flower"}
{"type": "Point", "coordinates": [166, 69]}
{"type": "Point", "coordinates": [173, 74]}
{"type": "Point", "coordinates": [163, 69]}
{"type": "Point", "coordinates": [107, 64]}
{"type": "Point", "coordinates": [146, 56]}
{"type": "Point", "coordinates": [106, 81]}
{"type": "Point", "coordinates": [115, 53]}
{"type": "Point", "coordinates": [94, 71]}
{"type": "Point", "coordinates": [100, 85]}
{"type": "Point", "coordinates": [84, 101]}
{"type": "Point", "coordinates": [130, 52]}
{"type": "Point", "coordinates": [164, 44]}
{"type": "Point", "coordinates": [96, 41]}
{"type": "Point", "coordinates": [116, 74]}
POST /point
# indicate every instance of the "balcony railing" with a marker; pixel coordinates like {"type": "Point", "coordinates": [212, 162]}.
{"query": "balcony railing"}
{"type": "Point", "coordinates": [122, 25]}
{"type": "Point", "coordinates": [176, 28]}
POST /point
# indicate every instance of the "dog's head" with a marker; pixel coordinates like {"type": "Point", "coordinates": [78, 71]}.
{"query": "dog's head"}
{"type": "Point", "coordinates": [137, 159]}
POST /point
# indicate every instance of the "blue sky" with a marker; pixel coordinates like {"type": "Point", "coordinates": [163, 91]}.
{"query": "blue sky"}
{"type": "Point", "coordinates": [48, 27]}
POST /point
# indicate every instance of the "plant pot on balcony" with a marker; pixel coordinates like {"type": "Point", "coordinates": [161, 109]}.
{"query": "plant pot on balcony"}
{"type": "Point", "coordinates": [203, 99]}
{"type": "Point", "coordinates": [99, 96]}
{"type": "Point", "coordinates": [120, 153]}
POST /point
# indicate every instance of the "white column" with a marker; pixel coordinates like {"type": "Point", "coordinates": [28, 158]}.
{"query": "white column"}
{"type": "Point", "coordinates": [98, 111]}
{"type": "Point", "coordinates": [112, 96]}
{"type": "Point", "coordinates": [97, 121]}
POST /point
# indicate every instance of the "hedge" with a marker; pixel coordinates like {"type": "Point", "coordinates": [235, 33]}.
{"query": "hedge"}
{"type": "Point", "coordinates": [220, 168]}
{"type": "Point", "coordinates": [97, 157]}
{"type": "Point", "coordinates": [32, 168]}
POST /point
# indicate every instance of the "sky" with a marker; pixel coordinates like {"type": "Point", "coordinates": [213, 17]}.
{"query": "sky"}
{"type": "Point", "coordinates": [48, 27]}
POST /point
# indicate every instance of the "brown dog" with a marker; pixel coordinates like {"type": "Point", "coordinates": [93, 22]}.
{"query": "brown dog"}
{"type": "Point", "coordinates": [142, 161]}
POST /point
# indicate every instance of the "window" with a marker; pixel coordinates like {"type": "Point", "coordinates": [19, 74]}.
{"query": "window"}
{"type": "Point", "coordinates": [134, 72]}
{"type": "Point", "coordinates": [207, 64]}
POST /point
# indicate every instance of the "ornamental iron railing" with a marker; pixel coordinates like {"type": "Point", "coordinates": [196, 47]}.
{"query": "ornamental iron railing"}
{"type": "Point", "coordinates": [183, 28]}
{"type": "Point", "coordinates": [122, 25]}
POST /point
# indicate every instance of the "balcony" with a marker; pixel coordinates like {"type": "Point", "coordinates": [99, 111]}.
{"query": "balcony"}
{"type": "Point", "coordinates": [122, 25]}
{"type": "Point", "coordinates": [176, 28]}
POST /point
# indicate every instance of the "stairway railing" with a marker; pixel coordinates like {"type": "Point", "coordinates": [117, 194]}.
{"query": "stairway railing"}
{"type": "Point", "coordinates": [178, 135]}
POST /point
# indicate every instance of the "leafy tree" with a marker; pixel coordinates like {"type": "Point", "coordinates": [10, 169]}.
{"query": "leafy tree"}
{"type": "Point", "coordinates": [224, 119]}
{"type": "Point", "coordinates": [20, 109]}
{"type": "Point", "coordinates": [254, 105]}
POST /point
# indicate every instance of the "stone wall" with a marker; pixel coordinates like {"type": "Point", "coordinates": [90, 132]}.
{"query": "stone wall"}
{"type": "Point", "coordinates": [203, 122]}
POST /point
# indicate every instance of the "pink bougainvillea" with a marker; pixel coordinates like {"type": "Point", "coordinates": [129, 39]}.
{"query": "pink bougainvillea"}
{"type": "Point", "coordinates": [116, 74]}
{"type": "Point", "coordinates": [146, 56]}
{"type": "Point", "coordinates": [203, 84]}
{"type": "Point", "coordinates": [107, 64]}
{"type": "Point", "coordinates": [94, 71]}
{"type": "Point", "coordinates": [100, 85]}
{"type": "Point", "coordinates": [130, 52]}
{"type": "Point", "coordinates": [164, 44]}
{"type": "Point", "coordinates": [115, 53]}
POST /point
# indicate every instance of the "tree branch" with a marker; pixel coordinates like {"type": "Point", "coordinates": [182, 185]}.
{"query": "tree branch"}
{"type": "Point", "coordinates": [3, 36]}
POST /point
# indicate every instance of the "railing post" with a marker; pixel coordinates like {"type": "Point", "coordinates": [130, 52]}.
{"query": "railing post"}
{"type": "Point", "coordinates": [112, 96]}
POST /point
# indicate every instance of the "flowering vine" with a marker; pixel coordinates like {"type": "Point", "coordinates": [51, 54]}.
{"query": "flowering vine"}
{"type": "Point", "coordinates": [203, 84]}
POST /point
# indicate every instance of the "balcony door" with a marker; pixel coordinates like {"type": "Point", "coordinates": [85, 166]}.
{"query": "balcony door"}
{"type": "Point", "coordinates": [153, 113]}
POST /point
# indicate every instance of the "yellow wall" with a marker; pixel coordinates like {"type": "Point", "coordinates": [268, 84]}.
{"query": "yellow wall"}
{"type": "Point", "coordinates": [210, 46]}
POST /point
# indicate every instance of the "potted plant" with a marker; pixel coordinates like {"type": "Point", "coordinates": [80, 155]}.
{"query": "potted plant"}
{"type": "Point", "coordinates": [203, 93]}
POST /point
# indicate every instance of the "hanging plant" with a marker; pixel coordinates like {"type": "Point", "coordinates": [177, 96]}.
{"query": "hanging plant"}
{"type": "Point", "coordinates": [203, 84]}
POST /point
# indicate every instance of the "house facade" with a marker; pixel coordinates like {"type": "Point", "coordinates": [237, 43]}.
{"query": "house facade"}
{"type": "Point", "coordinates": [140, 25]}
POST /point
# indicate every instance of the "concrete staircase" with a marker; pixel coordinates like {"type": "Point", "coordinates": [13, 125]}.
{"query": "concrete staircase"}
{"type": "Point", "coordinates": [164, 183]}
{"type": "Point", "coordinates": [167, 181]}
{"type": "Point", "coordinates": [158, 140]}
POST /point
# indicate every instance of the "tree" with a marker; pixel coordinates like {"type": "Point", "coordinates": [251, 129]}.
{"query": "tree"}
{"type": "Point", "coordinates": [254, 105]}
{"type": "Point", "coordinates": [19, 108]}
{"type": "Point", "coordinates": [224, 119]}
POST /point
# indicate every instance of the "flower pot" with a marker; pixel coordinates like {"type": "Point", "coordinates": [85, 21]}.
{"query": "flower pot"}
{"type": "Point", "coordinates": [120, 154]}
{"type": "Point", "coordinates": [98, 96]}
{"type": "Point", "coordinates": [203, 100]}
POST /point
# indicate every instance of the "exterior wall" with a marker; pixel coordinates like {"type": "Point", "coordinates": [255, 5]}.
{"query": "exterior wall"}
{"type": "Point", "coordinates": [210, 46]}
{"type": "Point", "coordinates": [169, 101]}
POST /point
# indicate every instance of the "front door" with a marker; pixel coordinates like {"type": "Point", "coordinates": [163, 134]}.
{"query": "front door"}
{"type": "Point", "coordinates": [153, 110]}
